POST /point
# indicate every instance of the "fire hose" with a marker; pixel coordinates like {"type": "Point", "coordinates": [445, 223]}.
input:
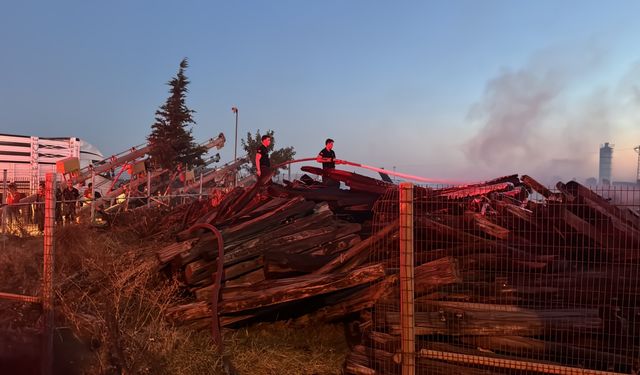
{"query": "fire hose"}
{"type": "Point", "coordinates": [380, 170]}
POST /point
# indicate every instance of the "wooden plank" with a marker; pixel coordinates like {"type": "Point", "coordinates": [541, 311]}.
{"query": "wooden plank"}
{"type": "Point", "coordinates": [511, 364]}
{"type": "Point", "coordinates": [167, 253]}
{"type": "Point", "coordinates": [473, 191]}
{"type": "Point", "coordinates": [461, 318]}
{"type": "Point", "coordinates": [352, 303]}
{"type": "Point", "coordinates": [535, 185]}
{"type": "Point", "coordinates": [356, 182]}
{"type": "Point", "coordinates": [596, 200]}
{"type": "Point", "coordinates": [336, 246]}
{"type": "Point", "coordinates": [356, 250]}
{"type": "Point", "coordinates": [567, 354]}
{"type": "Point", "coordinates": [264, 295]}
{"type": "Point", "coordinates": [484, 225]}
{"type": "Point", "coordinates": [434, 274]}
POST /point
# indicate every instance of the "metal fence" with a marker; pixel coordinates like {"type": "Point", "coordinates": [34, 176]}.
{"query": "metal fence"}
{"type": "Point", "coordinates": [503, 279]}
{"type": "Point", "coordinates": [14, 214]}
{"type": "Point", "coordinates": [42, 214]}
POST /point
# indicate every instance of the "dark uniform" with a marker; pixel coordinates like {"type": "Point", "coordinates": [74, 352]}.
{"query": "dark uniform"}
{"type": "Point", "coordinates": [328, 154]}
{"type": "Point", "coordinates": [38, 208]}
{"type": "Point", "coordinates": [329, 165]}
{"type": "Point", "coordinates": [70, 197]}
{"type": "Point", "coordinates": [265, 163]}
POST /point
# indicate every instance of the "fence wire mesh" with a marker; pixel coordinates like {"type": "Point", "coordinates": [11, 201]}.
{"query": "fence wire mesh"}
{"type": "Point", "coordinates": [511, 277]}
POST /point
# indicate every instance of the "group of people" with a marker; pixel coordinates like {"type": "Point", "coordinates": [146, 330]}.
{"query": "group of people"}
{"type": "Point", "coordinates": [15, 212]}
{"type": "Point", "coordinates": [68, 199]}
{"type": "Point", "coordinates": [326, 156]}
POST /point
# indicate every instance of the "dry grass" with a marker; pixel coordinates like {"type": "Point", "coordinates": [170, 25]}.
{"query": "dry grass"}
{"type": "Point", "coordinates": [109, 292]}
{"type": "Point", "coordinates": [280, 348]}
{"type": "Point", "coordinates": [21, 265]}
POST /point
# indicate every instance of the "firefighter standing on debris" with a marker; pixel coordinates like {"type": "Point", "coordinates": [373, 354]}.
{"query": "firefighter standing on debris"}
{"type": "Point", "coordinates": [328, 159]}
{"type": "Point", "coordinates": [263, 164]}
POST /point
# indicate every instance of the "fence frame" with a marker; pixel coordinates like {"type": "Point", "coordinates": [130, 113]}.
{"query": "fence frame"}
{"type": "Point", "coordinates": [407, 308]}
{"type": "Point", "coordinates": [46, 299]}
{"type": "Point", "coordinates": [408, 354]}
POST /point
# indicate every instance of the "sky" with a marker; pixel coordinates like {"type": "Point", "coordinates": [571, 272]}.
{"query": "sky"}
{"type": "Point", "coordinates": [458, 90]}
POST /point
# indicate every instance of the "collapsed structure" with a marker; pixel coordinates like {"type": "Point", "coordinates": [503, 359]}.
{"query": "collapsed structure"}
{"type": "Point", "coordinates": [509, 276]}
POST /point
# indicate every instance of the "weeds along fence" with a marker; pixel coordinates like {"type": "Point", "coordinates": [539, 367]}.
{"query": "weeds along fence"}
{"type": "Point", "coordinates": [45, 299]}
{"type": "Point", "coordinates": [493, 283]}
{"type": "Point", "coordinates": [42, 214]}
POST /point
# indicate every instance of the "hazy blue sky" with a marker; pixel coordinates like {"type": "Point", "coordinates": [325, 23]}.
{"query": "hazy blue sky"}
{"type": "Point", "coordinates": [448, 89]}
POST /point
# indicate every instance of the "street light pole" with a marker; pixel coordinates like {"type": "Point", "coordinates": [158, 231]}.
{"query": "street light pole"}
{"type": "Point", "coordinates": [234, 109]}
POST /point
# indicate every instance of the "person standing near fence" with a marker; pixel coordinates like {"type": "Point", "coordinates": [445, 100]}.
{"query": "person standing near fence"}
{"type": "Point", "coordinates": [70, 197]}
{"type": "Point", "coordinates": [38, 210]}
{"type": "Point", "coordinates": [12, 210]}
{"type": "Point", "coordinates": [89, 194]}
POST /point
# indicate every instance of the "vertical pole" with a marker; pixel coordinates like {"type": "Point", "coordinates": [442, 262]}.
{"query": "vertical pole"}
{"type": "Point", "coordinates": [235, 147]}
{"type": "Point", "coordinates": [4, 186]}
{"type": "Point", "coordinates": [637, 149]}
{"type": "Point", "coordinates": [93, 196]}
{"type": "Point", "coordinates": [407, 319]}
{"type": "Point", "coordinates": [289, 175]}
{"type": "Point", "coordinates": [148, 188]}
{"type": "Point", "coordinates": [47, 274]}
{"type": "Point", "coordinates": [200, 195]}
{"type": "Point", "coordinates": [4, 201]}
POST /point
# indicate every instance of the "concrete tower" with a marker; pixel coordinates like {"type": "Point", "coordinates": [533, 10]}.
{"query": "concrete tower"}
{"type": "Point", "coordinates": [606, 155]}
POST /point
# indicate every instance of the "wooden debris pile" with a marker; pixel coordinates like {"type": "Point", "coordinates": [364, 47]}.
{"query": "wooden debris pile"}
{"type": "Point", "coordinates": [507, 273]}
{"type": "Point", "coordinates": [544, 285]}
{"type": "Point", "coordinates": [288, 250]}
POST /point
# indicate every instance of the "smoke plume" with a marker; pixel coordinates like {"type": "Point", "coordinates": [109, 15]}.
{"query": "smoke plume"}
{"type": "Point", "coordinates": [545, 119]}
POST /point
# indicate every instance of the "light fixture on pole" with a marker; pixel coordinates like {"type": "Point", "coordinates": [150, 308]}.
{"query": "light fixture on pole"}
{"type": "Point", "coordinates": [234, 109]}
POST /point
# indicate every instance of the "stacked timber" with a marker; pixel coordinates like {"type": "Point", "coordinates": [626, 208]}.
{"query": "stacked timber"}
{"type": "Point", "coordinates": [288, 251]}
{"type": "Point", "coordinates": [547, 285]}
{"type": "Point", "coordinates": [509, 276]}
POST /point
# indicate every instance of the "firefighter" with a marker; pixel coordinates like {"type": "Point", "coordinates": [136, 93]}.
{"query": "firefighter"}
{"type": "Point", "coordinates": [263, 164]}
{"type": "Point", "coordinates": [328, 159]}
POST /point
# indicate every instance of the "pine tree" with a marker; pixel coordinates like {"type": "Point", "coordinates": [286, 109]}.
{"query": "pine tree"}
{"type": "Point", "coordinates": [170, 136]}
{"type": "Point", "coordinates": [251, 144]}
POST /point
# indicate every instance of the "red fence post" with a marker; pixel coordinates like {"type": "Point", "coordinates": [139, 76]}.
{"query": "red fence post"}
{"type": "Point", "coordinates": [407, 319]}
{"type": "Point", "coordinates": [47, 274]}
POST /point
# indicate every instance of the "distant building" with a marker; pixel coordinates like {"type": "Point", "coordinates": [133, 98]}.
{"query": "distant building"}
{"type": "Point", "coordinates": [26, 159]}
{"type": "Point", "coordinates": [606, 156]}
